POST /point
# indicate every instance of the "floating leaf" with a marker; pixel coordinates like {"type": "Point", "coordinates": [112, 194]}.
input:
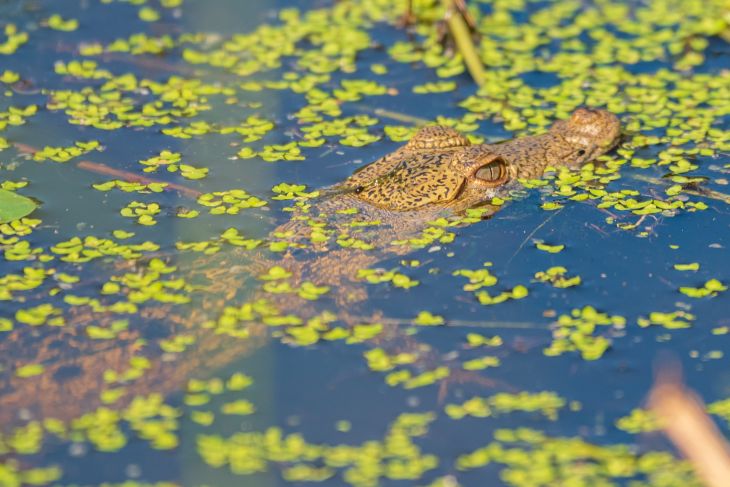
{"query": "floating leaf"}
{"type": "Point", "coordinates": [14, 206]}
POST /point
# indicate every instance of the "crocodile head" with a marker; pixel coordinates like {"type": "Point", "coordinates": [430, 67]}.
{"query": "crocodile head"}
{"type": "Point", "coordinates": [587, 134]}
{"type": "Point", "coordinates": [440, 168]}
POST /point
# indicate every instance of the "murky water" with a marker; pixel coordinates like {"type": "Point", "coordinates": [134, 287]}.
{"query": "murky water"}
{"type": "Point", "coordinates": [160, 364]}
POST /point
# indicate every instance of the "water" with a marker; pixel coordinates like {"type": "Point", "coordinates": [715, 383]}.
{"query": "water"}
{"type": "Point", "coordinates": [201, 386]}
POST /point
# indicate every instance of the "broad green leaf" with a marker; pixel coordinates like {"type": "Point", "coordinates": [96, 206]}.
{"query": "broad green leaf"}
{"type": "Point", "coordinates": [14, 206]}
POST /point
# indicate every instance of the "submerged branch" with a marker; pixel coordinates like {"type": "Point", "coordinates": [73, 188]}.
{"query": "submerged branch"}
{"type": "Point", "coordinates": [504, 325]}
{"type": "Point", "coordinates": [129, 176]}
{"type": "Point", "coordinates": [400, 117]}
{"type": "Point", "coordinates": [100, 168]}
{"type": "Point", "coordinates": [704, 192]}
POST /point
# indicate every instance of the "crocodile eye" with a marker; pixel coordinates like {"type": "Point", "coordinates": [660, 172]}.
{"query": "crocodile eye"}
{"type": "Point", "coordinates": [494, 172]}
{"type": "Point", "coordinates": [359, 189]}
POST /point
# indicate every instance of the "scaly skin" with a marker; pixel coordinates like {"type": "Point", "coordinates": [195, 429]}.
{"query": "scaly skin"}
{"type": "Point", "coordinates": [437, 173]}
{"type": "Point", "coordinates": [440, 173]}
{"type": "Point", "coordinates": [439, 167]}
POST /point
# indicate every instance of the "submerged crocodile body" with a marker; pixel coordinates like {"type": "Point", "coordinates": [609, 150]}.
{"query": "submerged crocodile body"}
{"type": "Point", "coordinates": [437, 173]}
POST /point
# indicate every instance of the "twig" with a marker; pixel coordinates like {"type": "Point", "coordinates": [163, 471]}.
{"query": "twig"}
{"type": "Point", "coordinates": [119, 173]}
{"type": "Point", "coordinates": [129, 176]}
{"type": "Point", "coordinates": [504, 325]}
{"type": "Point", "coordinates": [401, 117]}
{"type": "Point", "coordinates": [531, 234]}
{"type": "Point", "coordinates": [685, 422]}
{"type": "Point", "coordinates": [464, 44]}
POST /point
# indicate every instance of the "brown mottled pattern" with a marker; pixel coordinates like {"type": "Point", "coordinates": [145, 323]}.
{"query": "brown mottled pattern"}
{"type": "Point", "coordinates": [439, 167]}
{"type": "Point", "coordinates": [409, 186]}
{"type": "Point", "coordinates": [437, 137]}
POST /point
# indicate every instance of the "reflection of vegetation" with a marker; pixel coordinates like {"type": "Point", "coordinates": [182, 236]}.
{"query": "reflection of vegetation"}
{"type": "Point", "coordinates": [534, 459]}
{"type": "Point", "coordinates": [104, 328]}
{"type": "Point", "coordinates": [396, 457]}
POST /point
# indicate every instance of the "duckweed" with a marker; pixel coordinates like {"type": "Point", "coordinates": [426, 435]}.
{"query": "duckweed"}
{"type": "Point", "coordinates": [532, 458]}
{"type": "Point", "coordinates": [143, 212]}
{"type": "Point", "coordinates": [638, 421]}
{"type": "Point", "coordinates": [651, 64]}
{"type": "Point", "coordinates": [229, 202]}
{"type": "Point", "coordinates": [64, 154]}
{"type": "Point", "coordinates": [711, 288]}
{"type": "Point", "coordinates": [395, 457]}
{"type": "Point", "coordinates": [377, 276]}
{"type": "Point", "coordinates": [673, 320]}
{"type": "Point", "coordinates": [481, 363]}
{"type": "Point", "coordinates": [477, 278]}
{"type": "Point", "coordinates": [517, 292]}
{"type": "Point", "coordinates": [556, 277]}
{"type": "Point", "coordinates": [425, 318]}
{"type": "Point", "coordinates": [57, 22]}
{"type": "Point", "coordinates": [575, 332]}
{"type": "Point", "coordinates": [476, 340]}
{"type": "Point", "coordinates": [547, 403]}
{"type": "Point", "coordinates": [551, 249]}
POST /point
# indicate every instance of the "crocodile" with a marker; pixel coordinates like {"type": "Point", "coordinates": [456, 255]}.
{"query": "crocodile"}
{"type": "Point", "coordinates": [437, 173]}
{"type": "Point", "coordinates": [440, 169]}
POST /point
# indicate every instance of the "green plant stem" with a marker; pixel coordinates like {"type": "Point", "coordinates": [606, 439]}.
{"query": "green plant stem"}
{"type": "Point", "coordinates": [464, 44]}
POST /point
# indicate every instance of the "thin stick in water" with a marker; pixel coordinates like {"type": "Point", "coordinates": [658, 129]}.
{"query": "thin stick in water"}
{"type": "Point", "coordinates": [99, 168]}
